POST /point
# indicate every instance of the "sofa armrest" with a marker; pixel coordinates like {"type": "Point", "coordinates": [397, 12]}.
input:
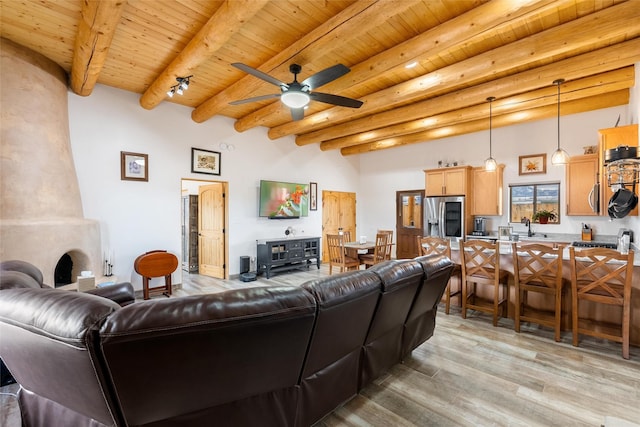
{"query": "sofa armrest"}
{"type": "Point", "coordinates": [121, 293]}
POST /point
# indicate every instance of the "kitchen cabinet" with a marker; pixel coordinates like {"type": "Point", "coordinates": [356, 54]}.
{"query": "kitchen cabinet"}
{"type": "Point", "coordinates": [612, 138]}
{"type": "Point", "coordinates": [279, 255]}
{"type": "Point", "coordinates": [582, 175]}
{"type": "Point", "coordinates": [486, 199]}
{"type": "Point", "coordinates": [454, 181]}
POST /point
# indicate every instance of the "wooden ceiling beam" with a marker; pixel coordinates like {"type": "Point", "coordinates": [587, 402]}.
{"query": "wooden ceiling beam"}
{"type": "Point", "coordinates": [611, 99]}
{"type": "Point", "coordinates": [98, 22]}
{"type": "Point", "coordinates": [224, 23]}
{"type": "Point", "coordinates": [615, 23]}
{"type": "Point", "coordinates": [475, 107]}
{"type": "Point", "coordinates": [320, 38]}
{"type": "Point", "coordinates": [596, 62]}
{"type": "Point", "coordinates": [423, 48]}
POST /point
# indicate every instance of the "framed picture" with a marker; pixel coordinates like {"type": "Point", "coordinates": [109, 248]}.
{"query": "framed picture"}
{"type": "Point", "coordinates": [134, 166]}
{"type": "Point", "coordinates": [205, 161]}
{"type": "Point", "coordinates": [535, 163]}
{"type": "Point", "coordinates": [313, 196]}
{"type": "Point", "coordinates": [504, 232]}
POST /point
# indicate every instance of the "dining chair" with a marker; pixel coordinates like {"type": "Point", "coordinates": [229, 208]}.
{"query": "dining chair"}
{"type": "Point", "coordinates": [481, 266]}
{"type": "Point", "coordinates": [601, 276]}
{"type": "Point", "coordinates": [337, 255]}
{"type": "Point", "coordinates": [389, 242]}
{"type": "Point", "coordinates": [379, 253]}
{"type": "Point", "coordinates": [436, 245]}
{"type": "Point", "coordinates": [538, 268]}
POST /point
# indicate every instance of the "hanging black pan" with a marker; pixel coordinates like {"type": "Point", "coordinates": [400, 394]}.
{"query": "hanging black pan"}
{"type": "Point", "coordinates": [622, 202]}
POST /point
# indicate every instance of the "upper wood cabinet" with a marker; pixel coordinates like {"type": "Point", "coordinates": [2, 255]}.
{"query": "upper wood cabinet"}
{"type": "Point", "coordinates": [453, 181]}
{"type": "Point", "coordinates": [486, 198]}
{"type": "Point", "coordinates": [612, 138]}
{"type": "Point", "coordinates": [581, 179]}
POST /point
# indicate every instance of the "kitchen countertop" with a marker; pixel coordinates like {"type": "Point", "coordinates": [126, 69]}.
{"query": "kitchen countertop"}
{"type": "Point", "coordinates": [566, 238]}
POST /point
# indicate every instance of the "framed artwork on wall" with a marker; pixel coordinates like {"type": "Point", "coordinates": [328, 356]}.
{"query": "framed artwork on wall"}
{"type": "Point", "coordinates": [313, 196]}
{"type": "Point", "coordinates": [205, 161]}
{"type": "Point", "coordinates": [532, 164]}
{"type": "Point", "coordinates": [134, 166]}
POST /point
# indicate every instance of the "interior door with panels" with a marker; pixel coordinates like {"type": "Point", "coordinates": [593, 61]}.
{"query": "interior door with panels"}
{"type": "Point", "coordinates": [338, 214]}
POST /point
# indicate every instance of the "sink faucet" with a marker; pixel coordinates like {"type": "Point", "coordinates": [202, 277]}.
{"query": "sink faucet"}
{"type": "Point", "coordinates": [527, 223]}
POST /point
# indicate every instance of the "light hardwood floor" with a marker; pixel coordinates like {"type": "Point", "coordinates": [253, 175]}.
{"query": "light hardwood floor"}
{"type": "Point", "coordinates": [472, 374]}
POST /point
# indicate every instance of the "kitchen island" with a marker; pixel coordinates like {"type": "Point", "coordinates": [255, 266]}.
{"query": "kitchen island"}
{"type": "Point", "coordinates": [597, 312]}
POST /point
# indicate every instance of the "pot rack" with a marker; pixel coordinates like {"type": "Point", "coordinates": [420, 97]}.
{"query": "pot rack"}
{"type": "Point", "coordinates": [623, 173]}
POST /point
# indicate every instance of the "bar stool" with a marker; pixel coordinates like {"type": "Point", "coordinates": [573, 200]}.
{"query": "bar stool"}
{"type": "Point", "coordinates": [436, 245]}
{"type": "Point", "coordinates": [601, 276]}
{"type": "Point", "coordinates": [481, 266]}
{"type": "Point", "coordinates": [156, 263]}
{"type": "Point", "coordinates": [538, 268]}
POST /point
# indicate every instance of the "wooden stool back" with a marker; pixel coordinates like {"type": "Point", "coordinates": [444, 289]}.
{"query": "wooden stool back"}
{"type": "Point", "coordinates": [481, 266]}
{"type": "Point", "coordinates": [601, 276]}
{"type": "Point", "coordinates": [537, 268]}
{"type": "Point", "coordinates": [436, 245]}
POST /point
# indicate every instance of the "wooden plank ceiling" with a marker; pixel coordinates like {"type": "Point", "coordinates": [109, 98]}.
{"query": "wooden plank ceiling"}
{"type": "Point", "coordinates": [463, 52]}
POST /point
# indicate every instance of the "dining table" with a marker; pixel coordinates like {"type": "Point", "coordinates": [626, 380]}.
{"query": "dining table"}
{"type": "Point", "coordinates": [353, 249]}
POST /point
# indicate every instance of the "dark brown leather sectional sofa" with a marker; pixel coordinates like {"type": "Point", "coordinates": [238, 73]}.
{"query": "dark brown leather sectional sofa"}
{"type": "Point", "coordinates": [262, 356]}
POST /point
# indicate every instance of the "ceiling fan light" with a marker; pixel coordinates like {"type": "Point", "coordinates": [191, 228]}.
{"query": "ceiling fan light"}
{"type": "Point", "coordinates": [170, 93]}
{"type": "Point", "coordinates": [184, 84]}
{"type": "Point", "coordinates": [295, 99]}
{"type": "Point", "coordinates": [559, 157]}
{"type": "Point", "coordinates": [179, 91]}
{"type": "Point", "coordinates": [490, 164]}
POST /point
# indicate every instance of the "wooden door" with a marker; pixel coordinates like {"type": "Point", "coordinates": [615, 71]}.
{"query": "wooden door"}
{"type": "Point", "coordinates": [211, 228]}
{"type": "Point", "coordinates": [408, 222]}
{"type": "Point", "coordinates": [338, 212]}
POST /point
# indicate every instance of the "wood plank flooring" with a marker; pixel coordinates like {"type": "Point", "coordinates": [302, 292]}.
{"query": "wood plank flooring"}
{"type": "Point", "coordinates": [472, 374]}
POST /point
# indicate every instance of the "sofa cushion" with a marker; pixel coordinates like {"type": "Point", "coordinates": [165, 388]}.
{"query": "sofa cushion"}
{"type": "Point", "coordinates": [16, 279]}
{"type": "Point", "coordinates": [23, 267]}
{"type": "Point", "coordinates": [346, 303]}
{"type": "Point", "coordinates": [382, 349]}
{"type": "Point", "coordinates": [194, 356]}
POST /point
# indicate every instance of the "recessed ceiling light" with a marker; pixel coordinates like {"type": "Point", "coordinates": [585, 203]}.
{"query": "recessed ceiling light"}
{"type": "Point", "coordinates": [411, 64]}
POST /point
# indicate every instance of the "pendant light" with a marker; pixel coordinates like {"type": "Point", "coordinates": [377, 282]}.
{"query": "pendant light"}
{"type": "Point", "coordinates": [559, 157]}
{"type": "Point", "coordinates": [490, 164]}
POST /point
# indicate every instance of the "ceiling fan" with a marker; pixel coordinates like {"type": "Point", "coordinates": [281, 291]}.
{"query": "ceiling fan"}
{"type": "Point", "coordinates": [297, 95]}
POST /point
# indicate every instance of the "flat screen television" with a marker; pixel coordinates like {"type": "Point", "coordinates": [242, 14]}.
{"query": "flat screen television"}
{"type": "Point", "coordinates": [283, 200]}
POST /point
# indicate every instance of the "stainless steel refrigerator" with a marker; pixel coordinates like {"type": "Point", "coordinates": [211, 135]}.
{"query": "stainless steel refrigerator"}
{"type": "Point", "coordinates": [444, 217]}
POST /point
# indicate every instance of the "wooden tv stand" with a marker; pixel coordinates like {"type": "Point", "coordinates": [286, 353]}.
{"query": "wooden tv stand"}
{"type": "Point", "coordinates": [276, 255]}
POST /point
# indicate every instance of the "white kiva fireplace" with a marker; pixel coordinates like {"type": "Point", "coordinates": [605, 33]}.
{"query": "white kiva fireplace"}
{"type": "Point", "coordinates": [41, 217]}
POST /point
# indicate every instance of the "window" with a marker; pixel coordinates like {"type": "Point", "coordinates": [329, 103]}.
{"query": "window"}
{"type": "Point", "coordinates": [527, 199]}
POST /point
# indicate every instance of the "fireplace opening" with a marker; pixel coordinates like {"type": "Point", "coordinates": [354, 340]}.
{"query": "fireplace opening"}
{"type": "Point", "coordinates": [69, 267]}
{"type": "Point", "coordinates": [62, 273]}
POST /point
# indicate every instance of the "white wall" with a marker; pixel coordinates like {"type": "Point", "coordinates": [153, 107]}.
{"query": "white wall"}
{"type": "Point", "coordinates": [136, 217]}
{"type": "Point", "coordinates": [384, 172]}
{"type": "Point", "coordinates": [139, 216]}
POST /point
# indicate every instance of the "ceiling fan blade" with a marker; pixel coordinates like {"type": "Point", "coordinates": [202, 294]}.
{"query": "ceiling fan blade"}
{"type": "Point", "coordinates": [297, 114]}
{"type": "Point", "coordinates": [255, 98]}
{"type": "Point", "coordinates": [325, 76]}
{"type": "Point", "coordinates": [342, 101]}
{"type": "Point", "coordinates": [259, 74]}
